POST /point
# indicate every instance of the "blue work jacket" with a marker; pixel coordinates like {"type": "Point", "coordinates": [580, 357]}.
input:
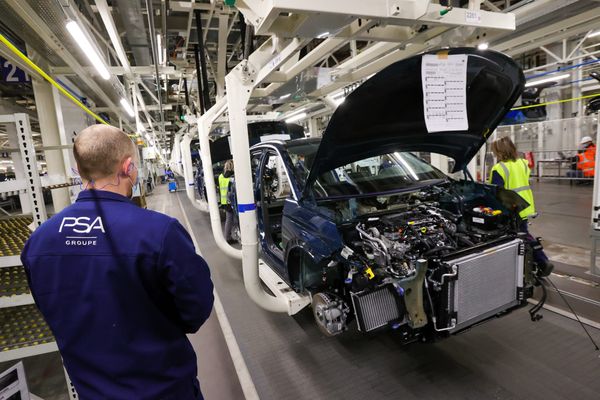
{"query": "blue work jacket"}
{"type": "Point", "coordinates": [120, 287]}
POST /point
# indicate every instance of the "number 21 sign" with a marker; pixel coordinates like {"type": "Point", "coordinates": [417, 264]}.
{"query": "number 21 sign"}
{"type": "Point", "coordinates": [10, 73]}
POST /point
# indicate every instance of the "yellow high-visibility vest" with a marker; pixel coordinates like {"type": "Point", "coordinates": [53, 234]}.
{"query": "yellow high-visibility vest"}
{"type": "Point", "coordinates": [223, 188]}
{"type": "Point", "coordinates": [515, 175]}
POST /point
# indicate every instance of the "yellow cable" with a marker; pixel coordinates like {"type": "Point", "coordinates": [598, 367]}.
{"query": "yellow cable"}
{"type": "Point", "coordinates": [49, 79]}
{"type": "Point", "coordinates": [589, 96]}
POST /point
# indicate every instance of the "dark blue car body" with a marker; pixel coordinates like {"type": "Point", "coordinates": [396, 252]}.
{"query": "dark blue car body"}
{"type": "Point", "coordinates": [338, 222]}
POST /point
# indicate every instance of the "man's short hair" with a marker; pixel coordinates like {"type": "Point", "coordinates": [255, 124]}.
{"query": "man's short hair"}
{"type": "Point", "coordinates": [99, 151]}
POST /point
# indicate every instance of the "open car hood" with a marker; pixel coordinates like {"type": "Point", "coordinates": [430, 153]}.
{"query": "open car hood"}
{"type": "Point", "coordinates": [385, 113]}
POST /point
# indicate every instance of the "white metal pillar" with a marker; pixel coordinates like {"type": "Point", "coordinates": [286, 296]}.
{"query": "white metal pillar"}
{"type": "Point", "coordinates": [188, 170]}
{"type": "Point", "coordinates": [222, 54]}
{"type": "Point", "coordinates": [204, 124]}
{"type": "Point", "coordinates": [440, 162]}
{"type": "Point", "coordinates": [595, 223]}
{"type": "Point", "coordinates": [313, 127]}
{"type": "Point", "coordinates": [239, 87]}
{"type": "Point", "coordinates": [49, 127]}
{"type": "Point", "coordinates": [62, 131]}
{"type": "Point", "coordinates": [481, 156]}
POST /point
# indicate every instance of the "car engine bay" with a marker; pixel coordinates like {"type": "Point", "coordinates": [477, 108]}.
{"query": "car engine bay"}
{"type": "Point", "coordinates": [411, 260]}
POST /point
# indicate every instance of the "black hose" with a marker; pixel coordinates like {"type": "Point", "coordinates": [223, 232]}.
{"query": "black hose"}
{"type": "Point", "coordinates": [465, 240]}
{"type": "Point", "coordinates": [534, 312]}
{"type": "Point", "coordinates": [185, 91]}
{"type": "Point", "coordinates": [248, 40]}
{"type": "Point", "coordinates": [437, 250]}
{"type": "Point", "coordinates": [199, 80]}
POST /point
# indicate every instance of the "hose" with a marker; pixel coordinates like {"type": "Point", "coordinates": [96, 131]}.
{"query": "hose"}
{"type": "Point", "coordinates": [437, 250]}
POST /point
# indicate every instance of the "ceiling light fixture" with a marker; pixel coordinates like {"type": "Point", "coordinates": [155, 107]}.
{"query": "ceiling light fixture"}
{"type": "Point", "coordinates": [551, 79]}
{"type": "Point", "coordinates": [322, 35]}
{"type": "Point", "coordinates": [483, 46]}
{"type": "Point", "coordinates": [295, 118]}
{"type": "Point", "coordinates": [159, 48]}
{"type": "Point", "coordinates": [593, 34]}
{"type": "Point", "coordinates": [88, 49]}
{"type": "Point", "coordinates": [127, 107]}
{"type": "Point", "coordinates": [285, 96]}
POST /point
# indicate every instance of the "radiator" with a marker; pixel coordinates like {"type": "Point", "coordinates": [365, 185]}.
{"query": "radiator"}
{"type": "Point", "coordinates": [486, 283]}
{"type": "Point", "coordinates": [377, 308]}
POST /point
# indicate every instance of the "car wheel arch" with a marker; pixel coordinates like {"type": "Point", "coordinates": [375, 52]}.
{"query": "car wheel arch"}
{"type": "Point", "coordinates": [297, 255]}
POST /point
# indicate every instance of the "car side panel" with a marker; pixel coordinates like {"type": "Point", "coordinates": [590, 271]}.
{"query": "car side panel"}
{"type": "Point", "coordinates": [304, 229]}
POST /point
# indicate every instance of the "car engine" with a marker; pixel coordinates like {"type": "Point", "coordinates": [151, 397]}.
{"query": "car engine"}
{"type": "Point", "coordinates": [429, 264]}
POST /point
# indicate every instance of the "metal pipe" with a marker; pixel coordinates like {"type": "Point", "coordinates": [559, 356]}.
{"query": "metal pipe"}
{"type": "Point", "coordinates": [150, 10]}
{"type": "Point", "coordinates": [205, 92]}
{"type": "Point", "coordinates": [433, 317]}
{"type": "Point", "coordinates": [238, 94]}
{"type": "Point", "coordinates": [188, 172]}
{"type": "Point", "coordinates": [204, 124]}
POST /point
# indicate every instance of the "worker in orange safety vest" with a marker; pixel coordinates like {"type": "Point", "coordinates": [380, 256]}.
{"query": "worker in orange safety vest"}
{"type": "Point", "coordinates": [585, 160]}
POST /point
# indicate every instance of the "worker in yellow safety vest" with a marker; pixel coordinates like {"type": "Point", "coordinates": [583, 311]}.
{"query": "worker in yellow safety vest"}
{"type": "Point", "coordinates": [512, 173]}
{"type": "Point", "coordinates": [225, 180]}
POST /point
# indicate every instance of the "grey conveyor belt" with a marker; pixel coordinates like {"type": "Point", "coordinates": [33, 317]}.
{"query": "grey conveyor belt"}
{"type": "Point", "coordinates": [506, 358]}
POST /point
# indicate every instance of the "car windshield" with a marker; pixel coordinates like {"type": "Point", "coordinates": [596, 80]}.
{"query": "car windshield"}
{"type": "Point", "coordinates": [380, 174]}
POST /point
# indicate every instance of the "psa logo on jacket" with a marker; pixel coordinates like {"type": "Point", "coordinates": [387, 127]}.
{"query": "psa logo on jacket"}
{"type": "Point", "coordinates": [81, 231]}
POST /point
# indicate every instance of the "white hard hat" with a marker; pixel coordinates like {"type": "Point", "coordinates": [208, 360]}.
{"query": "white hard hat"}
{"type": "Point", "coordinates": [586, 139]}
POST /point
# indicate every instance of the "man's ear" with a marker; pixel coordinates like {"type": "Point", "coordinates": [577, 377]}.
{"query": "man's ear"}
{"type": "Point", "coordinates": [127, 166]}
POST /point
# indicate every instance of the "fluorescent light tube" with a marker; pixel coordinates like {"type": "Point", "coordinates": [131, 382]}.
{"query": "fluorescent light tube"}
{"type": "Point", "coordinates": [125, 104]}
{"type": "Point", "coordinates": [546, 80]}
{"type": "Point", "coordinates": [593, 34]}
{"type": "Point", "coordinates": [295, 118]}
{"type": "Point", "coordinates": [159, 49]}
{"type": "Point", "coordinates": [88, 49]}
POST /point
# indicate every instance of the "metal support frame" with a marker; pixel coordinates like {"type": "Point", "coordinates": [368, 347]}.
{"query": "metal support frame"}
{"type": "Point", "coordinates": [188, 170]}
{"type": "Point", "coordinates": [239, 87]}
{"type": "Point", "coordinates": [222, 55]}
{"type": "Point", "coordinates": [33, 183]}
{"type": "Point", "coordinates": [204, 124]}
{"type": "Point", "coordinates": [270, 17]}
{"type": "Point", "coordinates": [50, 119]}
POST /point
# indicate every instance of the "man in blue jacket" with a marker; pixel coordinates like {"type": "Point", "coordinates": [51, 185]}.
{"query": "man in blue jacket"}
{"type": "Point", "coordinates": [119, 286]}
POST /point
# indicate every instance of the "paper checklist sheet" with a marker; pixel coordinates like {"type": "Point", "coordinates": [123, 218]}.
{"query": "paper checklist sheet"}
{"type": "Point", "coordinates": [444, 80]}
